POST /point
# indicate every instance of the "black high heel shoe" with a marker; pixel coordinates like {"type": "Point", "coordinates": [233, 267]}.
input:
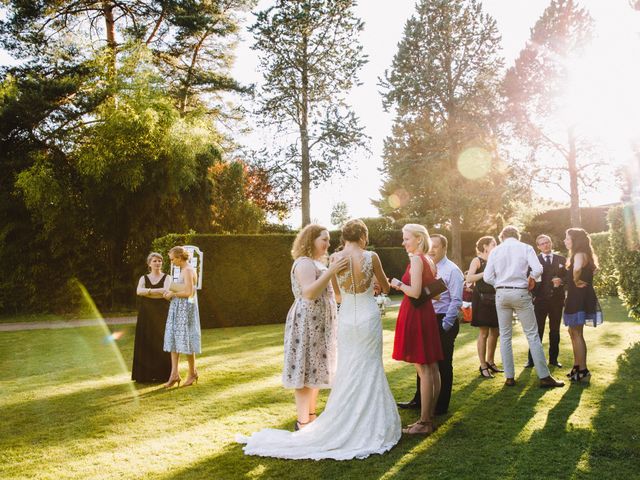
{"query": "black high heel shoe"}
{"type": "Point", "coordinates": [582, 376]}
{"type": "Point", "coordinates": [573, 372]}
{"type": "Point", "coordinates": [488, 373]}
{"type": "Point", "coordinates": [493, 367]}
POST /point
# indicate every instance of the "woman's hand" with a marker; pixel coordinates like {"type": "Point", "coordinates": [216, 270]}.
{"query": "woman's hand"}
{"type": "Point", "coordinates": [337, 264]}
{"type": "Point", "coordinates": [581, 284]}
{"type": "Point", "coordinates": [168, 294]}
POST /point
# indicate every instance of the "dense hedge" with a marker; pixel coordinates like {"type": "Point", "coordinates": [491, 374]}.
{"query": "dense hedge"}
{"type": "Point", "coordinates": [245, 277]}
{"type": "Point", "coordinates": [605, 281]}
{"type": "Point", "coordinates": [555, 223]}
{"type": "Point", "coordinates": [625, 249]}
{"type": "Point", "coordinates": [394, 260]}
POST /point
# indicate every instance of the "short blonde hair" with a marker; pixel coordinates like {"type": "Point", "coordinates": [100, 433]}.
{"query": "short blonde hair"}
{"type": "Point", "coordinates": [543, 235]}
{"type": "Point", "coordinates": [421, 233]}
{"type": "Point", "coordinates": [154, 255]}
{"type": "Point", "coordinates": [303, 244]}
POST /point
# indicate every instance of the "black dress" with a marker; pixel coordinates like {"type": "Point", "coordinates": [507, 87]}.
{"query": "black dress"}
{"type": "Point", "coordinates": [483, 312]}
{"type": "Point", "coordinates": [150, 362]}
{"type": "Point", "coordinates": [581, 305]}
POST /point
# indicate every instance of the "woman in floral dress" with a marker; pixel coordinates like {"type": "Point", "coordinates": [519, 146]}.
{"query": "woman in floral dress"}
{"type": "Point", "coordinates": [310, 331]}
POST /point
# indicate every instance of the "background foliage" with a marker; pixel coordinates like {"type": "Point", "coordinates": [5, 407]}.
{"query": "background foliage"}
{"type": "Point", "coordinates": [625, 250]}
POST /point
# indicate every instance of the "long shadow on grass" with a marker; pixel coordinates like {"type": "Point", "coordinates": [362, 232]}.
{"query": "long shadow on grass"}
{"type": "Point", "coordinates": [55, 420]}
{"type": "Point", "coordinates": [614, 450]}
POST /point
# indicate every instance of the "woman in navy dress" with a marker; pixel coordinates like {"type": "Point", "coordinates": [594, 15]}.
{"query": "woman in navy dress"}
{"type": "Point", "coordinates": [581, 305]}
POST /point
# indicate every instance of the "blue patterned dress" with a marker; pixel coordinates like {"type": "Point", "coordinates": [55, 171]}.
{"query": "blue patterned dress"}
{"type": "Point", "coordinates": [182, 333]}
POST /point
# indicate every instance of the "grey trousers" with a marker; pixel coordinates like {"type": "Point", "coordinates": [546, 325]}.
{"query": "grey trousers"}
{"type": "Point", "coordinates": [519, 301]}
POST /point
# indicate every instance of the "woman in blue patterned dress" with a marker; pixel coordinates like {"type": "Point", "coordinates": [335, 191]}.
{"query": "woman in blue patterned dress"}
{"type": "Point", "coordinates": [182, 333]}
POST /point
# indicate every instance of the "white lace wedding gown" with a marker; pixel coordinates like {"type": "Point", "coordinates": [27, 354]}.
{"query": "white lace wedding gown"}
{"type": "Point", "coordinates": [361, 417]}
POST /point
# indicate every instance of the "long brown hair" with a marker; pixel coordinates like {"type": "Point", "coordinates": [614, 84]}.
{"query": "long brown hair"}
{"type": "Point", "coordinates": [581, 243]}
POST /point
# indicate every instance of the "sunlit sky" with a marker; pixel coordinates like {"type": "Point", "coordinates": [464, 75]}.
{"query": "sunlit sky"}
{"type": "Point", "coordinates": [612, 112]}
{"type": "Point", "coordinates": [617, 27]}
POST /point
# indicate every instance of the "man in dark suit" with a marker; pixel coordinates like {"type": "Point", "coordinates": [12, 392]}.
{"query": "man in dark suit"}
{"type": "Point", "coordinates": [548, 296]}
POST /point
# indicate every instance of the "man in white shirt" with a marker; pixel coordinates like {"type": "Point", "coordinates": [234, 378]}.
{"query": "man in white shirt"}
{"type": "Point", "coordinates": [507, 270]}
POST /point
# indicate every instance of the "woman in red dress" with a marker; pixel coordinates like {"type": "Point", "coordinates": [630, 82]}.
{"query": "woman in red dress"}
{"type": "Point", "coordinates": [417, 339]}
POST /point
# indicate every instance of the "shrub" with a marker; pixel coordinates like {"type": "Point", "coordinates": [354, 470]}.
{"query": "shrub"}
{"type": "Point", "coordinates": [245, 279]}
{"type": "Point", "coordinates": [625, 250]}
{"type": "Point", "coordinates": [605, 281]}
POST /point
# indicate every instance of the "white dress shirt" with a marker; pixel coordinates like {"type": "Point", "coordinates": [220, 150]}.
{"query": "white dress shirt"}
{"type": "Point", "coordinates": [509, 263]}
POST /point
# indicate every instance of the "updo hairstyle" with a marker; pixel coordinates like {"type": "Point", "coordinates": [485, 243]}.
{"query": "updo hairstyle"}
{"type": "Point", "coordinates": [354, 231]}
{"type": "Point", "coordinates": [484, 242]}
{"type": "Point", "coordinates": [179, 252]}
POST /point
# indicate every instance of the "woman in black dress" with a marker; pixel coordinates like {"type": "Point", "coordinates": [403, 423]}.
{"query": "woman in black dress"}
{"type": "Point", "coordinates": [150, 362]}
{"type": "Point", "coordinates": [581, 305]}
{"type": "Point", "coordinates": [483, 308]}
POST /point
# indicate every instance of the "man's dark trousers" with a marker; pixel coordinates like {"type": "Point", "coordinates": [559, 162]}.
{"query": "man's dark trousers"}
{"type": "Point", "coordinates": [447, 340]}
{"type": "Point", "coordinates": [549, 307]}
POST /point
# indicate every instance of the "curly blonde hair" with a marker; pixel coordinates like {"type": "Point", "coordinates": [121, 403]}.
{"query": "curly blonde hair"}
{"type": "Point", "coordinates": [303, 244]}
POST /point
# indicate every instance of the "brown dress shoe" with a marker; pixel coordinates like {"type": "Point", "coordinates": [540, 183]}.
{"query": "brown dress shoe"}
{"type": "Point", "coordinates": [550, 382]}
{"type": "Point", "coordinates": [510, 382]}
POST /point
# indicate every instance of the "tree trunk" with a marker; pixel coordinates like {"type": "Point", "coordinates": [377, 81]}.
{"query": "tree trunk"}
{"type": "Point", "coordinates": [576, 221]}
{"type": "Point", "coordinates": [304, 142]}
{"type": "Point", "coordinates": [110, 26]}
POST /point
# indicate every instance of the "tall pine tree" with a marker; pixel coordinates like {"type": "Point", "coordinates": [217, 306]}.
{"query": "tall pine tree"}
{"type": "Point", "coordinates": [440, 160]}
{"type": "Point", "coordinates": [310, 57]}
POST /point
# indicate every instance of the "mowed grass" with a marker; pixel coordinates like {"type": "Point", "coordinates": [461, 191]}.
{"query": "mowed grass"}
{"type": "Point", "coordinates": [69, 410]}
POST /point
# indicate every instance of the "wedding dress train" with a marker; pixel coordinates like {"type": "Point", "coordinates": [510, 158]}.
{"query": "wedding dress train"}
{"type": "Point", "coordinates": [360, 417]}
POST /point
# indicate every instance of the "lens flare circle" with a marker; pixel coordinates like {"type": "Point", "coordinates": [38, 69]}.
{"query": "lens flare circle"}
{"type": "Point", "coordinates": [474, 163]}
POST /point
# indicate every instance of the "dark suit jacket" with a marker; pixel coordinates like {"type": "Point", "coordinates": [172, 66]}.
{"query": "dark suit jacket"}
{"type": "Point", "coordinates": [544, 288]}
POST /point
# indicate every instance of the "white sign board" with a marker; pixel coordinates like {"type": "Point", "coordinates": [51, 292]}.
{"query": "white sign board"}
{"type": "Point", "coordinates": [196, 259]}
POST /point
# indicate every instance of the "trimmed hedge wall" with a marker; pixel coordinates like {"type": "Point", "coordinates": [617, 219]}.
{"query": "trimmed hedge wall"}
{"type": "Point", "coordinates": [625, 249]}
{"type": "Point", "coordinates": [245, 277]}
{"type": "Point", "coordinates": [605, 281]}
{"type": "Point", "coordinates": [555, 223]}
{"type": "Point", "coordinates": [394, 261]}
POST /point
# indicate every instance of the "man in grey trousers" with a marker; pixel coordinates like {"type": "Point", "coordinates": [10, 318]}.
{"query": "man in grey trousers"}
{"type": "Point", "coordinates": [507, 270]}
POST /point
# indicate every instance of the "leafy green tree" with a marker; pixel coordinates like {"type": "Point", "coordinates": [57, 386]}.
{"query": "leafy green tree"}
{"type": "Point", "coordinates": [441, 159]}
{"type": "Point", "coordinates": [106, 140]}
{"type": "Point", "coordinates": [537, 89]}
{"type": "Point", "coordinates": [310, 56]}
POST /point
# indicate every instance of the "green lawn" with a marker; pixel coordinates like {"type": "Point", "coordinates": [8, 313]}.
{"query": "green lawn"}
{"type": "Point", "coordinates": [70, 411]}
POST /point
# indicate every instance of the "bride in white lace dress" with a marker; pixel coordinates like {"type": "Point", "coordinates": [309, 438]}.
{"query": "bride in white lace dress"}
{"type": "Point", "coordinates": [361, 417]}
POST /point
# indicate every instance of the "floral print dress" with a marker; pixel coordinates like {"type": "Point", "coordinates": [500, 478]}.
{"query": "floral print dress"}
{"type": "Point", "coordinates": [310, 336]}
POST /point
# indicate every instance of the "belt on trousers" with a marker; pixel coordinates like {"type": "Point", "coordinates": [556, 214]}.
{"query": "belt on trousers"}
{"type": "Point", "coordinates": [514, 288]}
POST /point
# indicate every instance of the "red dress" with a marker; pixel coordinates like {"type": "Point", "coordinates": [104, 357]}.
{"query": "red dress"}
{"type": "Point", "coordinates": [417, 337]}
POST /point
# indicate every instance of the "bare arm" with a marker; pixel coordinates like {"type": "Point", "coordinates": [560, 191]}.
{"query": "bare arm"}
{"type": "Point", "coordinates": [142, 291]}
{"type": "Point", "coordinates": [189, 284]}
{"type": "Point", "coordinates": [305, 273]}
{"type": "Point", "coordinates": [379, 273]}
{"type": "Point", "coordinates": [578, 264]}
{"type": "Point", "coordinates": [415, 270]}
{"type": "Point", "coordinates": [472, 276]}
